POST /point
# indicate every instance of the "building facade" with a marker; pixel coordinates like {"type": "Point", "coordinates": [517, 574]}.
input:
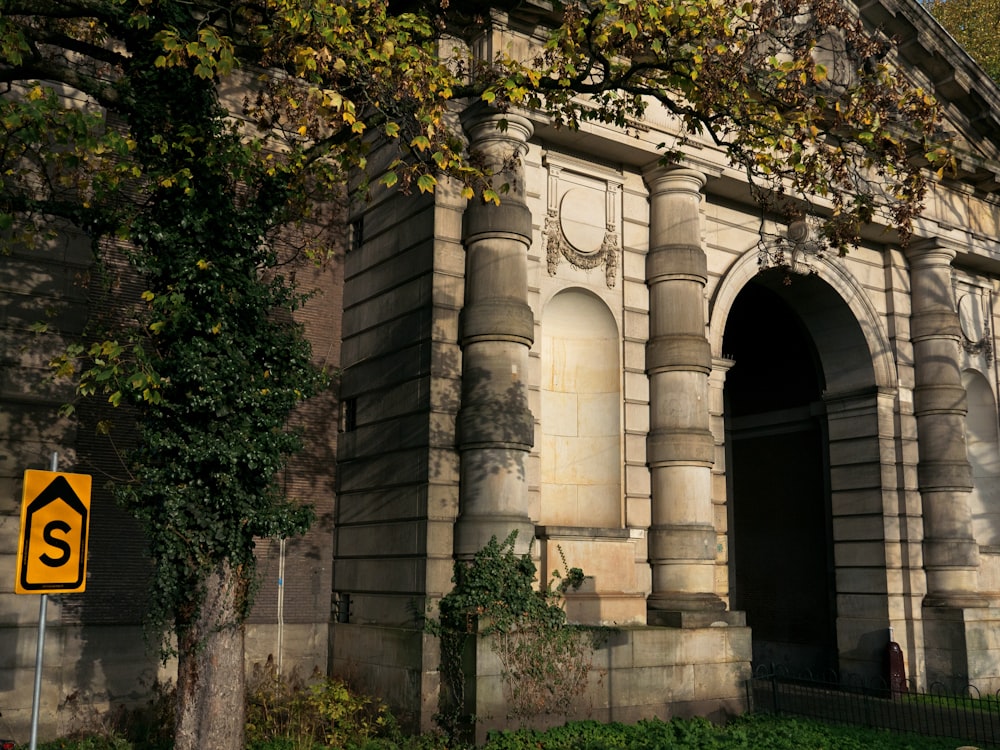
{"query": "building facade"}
{"type": "Point", "coordinates": [756, 464]}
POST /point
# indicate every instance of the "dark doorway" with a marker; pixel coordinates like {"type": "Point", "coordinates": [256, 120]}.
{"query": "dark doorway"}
{"type": "Point", "coordinates": [780, 522]}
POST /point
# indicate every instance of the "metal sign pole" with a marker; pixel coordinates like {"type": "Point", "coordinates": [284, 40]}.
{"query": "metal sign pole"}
{"type": "Point", "coordinates": [42, 606]}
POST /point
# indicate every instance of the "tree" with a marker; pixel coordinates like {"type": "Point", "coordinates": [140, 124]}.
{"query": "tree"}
{"type": "Point", "coordinates": [119, 118]}
{"type": "Point", "coordinates": [975, 24]}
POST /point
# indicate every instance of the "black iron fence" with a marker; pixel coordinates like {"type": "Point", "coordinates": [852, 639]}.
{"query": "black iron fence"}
{"type": "Point", "coordinates": [962, 714]}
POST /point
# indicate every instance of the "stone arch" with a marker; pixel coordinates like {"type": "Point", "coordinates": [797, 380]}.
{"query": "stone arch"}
{"type": "Point", "coordinates": [864, 314]}
{"type": "Point", "coordinates": [580, 414]}
{"type": "Point", "coordinates": [851, 437]}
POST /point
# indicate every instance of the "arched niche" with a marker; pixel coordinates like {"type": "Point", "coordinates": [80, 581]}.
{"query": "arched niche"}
{"type": "Point", "coordinates": [983, 445]}
{"type": "Point", "coordinates": [580, 448]}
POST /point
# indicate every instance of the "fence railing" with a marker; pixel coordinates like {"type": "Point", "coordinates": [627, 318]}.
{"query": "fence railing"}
{"type": "Point", "coordinates": [961, 714]}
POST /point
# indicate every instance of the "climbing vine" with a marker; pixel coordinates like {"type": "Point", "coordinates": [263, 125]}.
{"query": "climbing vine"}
{"type": "Point", "coordinates": [545, 660]}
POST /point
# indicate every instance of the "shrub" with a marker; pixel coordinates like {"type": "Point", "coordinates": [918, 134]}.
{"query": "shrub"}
{"type": "Point", "coordinates": [289, 713]}
{"type": "Point", "coordinates": [545, 660]}
{"type": "Point", "coordinates": [749, 732]}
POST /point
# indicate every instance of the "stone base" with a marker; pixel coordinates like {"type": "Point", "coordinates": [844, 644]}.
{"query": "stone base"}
{"type": "Point", "coordinates": [102, 667]}
{"type": "Point", "coordinates": [637, 672]}
{"type": "Point", "coordinates": [696, 619]}
{"type": "Point", "coordinates": [963, 647]}
{"type": "Point", "coordinates": [669, 609]}
{"type": "Point", "coordinates": [613, 593]}
{"type": "Point", "coordinates": [606, 608]}
{"type": "Point", "coordinates": [397, 664]}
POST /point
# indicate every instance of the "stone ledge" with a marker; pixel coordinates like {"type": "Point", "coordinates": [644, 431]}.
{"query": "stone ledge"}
{"type": "Point", "coordinates": [696, 619]}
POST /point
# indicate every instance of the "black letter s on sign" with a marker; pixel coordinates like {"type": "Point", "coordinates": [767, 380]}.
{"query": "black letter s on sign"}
{"type": "Point", "coordinates": [47, 534]}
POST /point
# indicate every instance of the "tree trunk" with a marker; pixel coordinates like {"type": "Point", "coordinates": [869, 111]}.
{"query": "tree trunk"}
{"type": "Point", "coordinates": [210, 670]}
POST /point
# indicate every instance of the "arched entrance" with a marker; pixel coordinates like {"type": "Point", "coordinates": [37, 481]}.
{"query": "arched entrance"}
{"type": "Point", "coordinates": [807, 405]}
{"type": "Point", "coordinates": [781, 556]}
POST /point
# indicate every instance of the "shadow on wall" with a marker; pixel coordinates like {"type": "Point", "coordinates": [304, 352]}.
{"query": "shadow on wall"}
{"type": "Point", "coordinates": [99, 654]}
{"type": "Point", "coordinates": [94, 646]}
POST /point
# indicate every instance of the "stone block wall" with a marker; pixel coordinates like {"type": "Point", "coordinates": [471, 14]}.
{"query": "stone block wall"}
{"type": "Point", "coordinates": [637, 672]}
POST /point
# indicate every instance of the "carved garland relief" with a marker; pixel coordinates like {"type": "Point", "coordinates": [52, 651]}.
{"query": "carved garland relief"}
{"type": "Point", "coordinates": [974, 318]}
{"type": "Point", "coordinates": [581, 224]}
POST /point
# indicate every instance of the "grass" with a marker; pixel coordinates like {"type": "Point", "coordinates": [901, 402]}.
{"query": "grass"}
{"type": "Point", "coordinates": [751, 732]}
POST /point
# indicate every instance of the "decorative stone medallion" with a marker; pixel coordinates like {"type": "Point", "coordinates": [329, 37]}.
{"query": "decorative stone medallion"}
{"type": "Point", "coordinates": [581, 223]}
{"type": "Point", "coordinates": [795, 247]}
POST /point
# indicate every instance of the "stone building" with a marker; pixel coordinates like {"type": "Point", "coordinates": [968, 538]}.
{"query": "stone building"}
{"type": "Point", "coordinates": [755, 466]}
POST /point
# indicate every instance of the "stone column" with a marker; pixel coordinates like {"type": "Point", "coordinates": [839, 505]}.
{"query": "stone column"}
{"type": "Point", "coordinates": [680, 446]}
{"type": "Point", "coordinates": [495, 429]}
{"type": "Point", "coordinates": [951, 556]}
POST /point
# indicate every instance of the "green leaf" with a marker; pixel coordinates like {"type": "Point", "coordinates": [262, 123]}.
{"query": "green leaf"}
{"type": "Point", "coordinates": [426, 183]}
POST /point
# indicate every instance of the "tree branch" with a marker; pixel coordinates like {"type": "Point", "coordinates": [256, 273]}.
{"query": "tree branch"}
{"type": "Point", "coordinates": [99, 9]}
{"type": "Point", "coordinates": [46, 70]}
{"type": "Point", "coordinates": [58, 39]}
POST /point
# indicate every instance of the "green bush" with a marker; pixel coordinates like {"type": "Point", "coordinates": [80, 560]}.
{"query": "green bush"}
{"type": "Point", "coordinates": [544, 659]}
{"type": "Point", "coordinates": [751, 732]}
{"type": "Point", "coordinates": [289, 713]}
{"type": "Point", "coordinates": [87, 743]}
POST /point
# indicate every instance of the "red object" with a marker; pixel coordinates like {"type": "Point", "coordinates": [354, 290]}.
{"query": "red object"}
{"type": "Point", "coordinates": [895, 668]}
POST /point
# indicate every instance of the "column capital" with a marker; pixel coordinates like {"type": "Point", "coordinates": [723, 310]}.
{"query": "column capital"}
{"type": "Point", "coordinates": [722, 365]}
{"type": "Point", "coordinates": [500, 140]}
{"type": "Point", "coordinates": [661, 179]}
{"type": "Point", "coordinates": [483, 123]}
{"type": "Point", "coordinates": [930, 253]}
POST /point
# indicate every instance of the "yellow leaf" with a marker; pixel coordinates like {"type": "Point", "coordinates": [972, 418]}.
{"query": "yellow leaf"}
{"type": "Point", "coordinates": [426, 183]}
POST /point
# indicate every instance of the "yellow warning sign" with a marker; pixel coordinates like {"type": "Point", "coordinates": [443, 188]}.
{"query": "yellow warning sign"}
{"type": "Point", "coordinates": [55, 521]}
